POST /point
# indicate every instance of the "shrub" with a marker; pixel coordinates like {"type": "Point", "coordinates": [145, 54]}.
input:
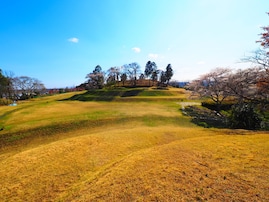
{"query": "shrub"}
{"type": "Point", "coordinates": [214, 106]}
{"type": "Point", "coordinates": [205, 117]}
{"type": "Point", "coordinates": [4, 101]}
{"type": "Point", "coordinates": [203, 124]}
{"type": "Point", "coordinates": [244, 116]}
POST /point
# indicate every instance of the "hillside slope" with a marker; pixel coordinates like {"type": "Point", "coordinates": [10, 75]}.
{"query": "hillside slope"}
{"type": "Point", "coordinates": [133, 150]}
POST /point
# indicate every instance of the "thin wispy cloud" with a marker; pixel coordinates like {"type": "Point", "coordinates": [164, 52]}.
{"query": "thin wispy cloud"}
{"type": "Point", "coordinates": [73, 40]}
{"type": "Point", "coordinates": [153, 56]}
{"type": "Point", "coordinates": [200, 63]}
{"type": "Point", "coordinates": [136, 49]}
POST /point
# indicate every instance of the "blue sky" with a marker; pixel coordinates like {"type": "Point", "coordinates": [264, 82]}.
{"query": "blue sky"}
{"type": "Point", "coordinates": [60, 41]}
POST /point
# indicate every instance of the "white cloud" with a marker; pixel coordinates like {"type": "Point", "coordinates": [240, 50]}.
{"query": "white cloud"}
{"type": "Point", "coordinates": [136, 49]}
{"type": "Point", "coordinates": [73, 40]}
{"type": "Point", "coordinates": [153, 56]}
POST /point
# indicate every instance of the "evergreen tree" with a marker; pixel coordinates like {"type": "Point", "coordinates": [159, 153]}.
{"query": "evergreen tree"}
{"type": "Point", "coordinates": [169, 73]}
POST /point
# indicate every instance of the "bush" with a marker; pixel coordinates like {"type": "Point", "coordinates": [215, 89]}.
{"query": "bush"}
{"type": "Point", "coordinates": [203, 124]}
{"type": "Point", "coordinates": [244, 116]}
{"type": "Point", "coordinates": [4, 101]}
{"type": "Point", "coordinates": [205, 117]}
{"type": "Point", "coordinates": [214, 106]}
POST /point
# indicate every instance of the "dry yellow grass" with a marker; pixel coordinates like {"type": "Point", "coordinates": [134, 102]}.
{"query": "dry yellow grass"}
{"type": "Point", "coordinates": [179, 172]}
{"type": "Point", "coordinates": [141, 152]}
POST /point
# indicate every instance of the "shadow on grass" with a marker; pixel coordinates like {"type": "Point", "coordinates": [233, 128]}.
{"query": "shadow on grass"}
{"type": "Point", "coordinates": [24, 137]}
{"type": "Point", "coordinates": [104, 95]}
{"type": "Point", "coordinates": [14, 138]}
{"type": "Point", "coordinates": [130, 93]}
{"type": "Point", "coordinates": [16, 109]}
{"type": "Point", "coordinates": [205, 117]}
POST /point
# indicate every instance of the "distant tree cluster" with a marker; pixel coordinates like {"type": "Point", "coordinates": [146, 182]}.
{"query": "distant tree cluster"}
{"type": "Point", "coordinates": [18, 88]}
{"type": "Point", "coordinates": [128, 75]}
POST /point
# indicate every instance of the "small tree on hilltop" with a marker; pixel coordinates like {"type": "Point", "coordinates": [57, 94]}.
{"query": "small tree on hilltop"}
{"type": "Point", "coordinates": [155, 72]}
{"type": "Point", "coordinates": [154, 75]}
{"type": "Point", "coordinates": [112, 75]}
{"type": "Point", "coordinates": [123, 78]}
{"type": "Point", "coordinates": [163, 78]}
{"type": "Point", "coordinates": [150, 66]}
{"type": "Point", "coordinates": [133, 70]}
{"type": "Point", "coordinates": [141, 77]}
{"type": "Point", "coordinates": [169, 73]}
{"type": "Point", "coordinates": [96, 78]}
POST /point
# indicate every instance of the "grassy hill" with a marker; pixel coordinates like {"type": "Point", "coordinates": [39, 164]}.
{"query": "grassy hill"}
{"type": "Point", "coordinates": [130, 94]}
{"type": "Point", "coordinates": [125, 145]}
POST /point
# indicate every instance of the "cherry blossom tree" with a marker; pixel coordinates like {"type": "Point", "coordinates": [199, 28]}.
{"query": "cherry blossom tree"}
{"type": "Point", "coordinates": [213, 85]}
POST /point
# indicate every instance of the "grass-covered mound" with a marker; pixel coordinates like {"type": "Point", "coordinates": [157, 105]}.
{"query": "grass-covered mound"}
{"type": "Point", "coordinates": [126, 94]}
{"type": "Point", "coordinates": [69, 150]}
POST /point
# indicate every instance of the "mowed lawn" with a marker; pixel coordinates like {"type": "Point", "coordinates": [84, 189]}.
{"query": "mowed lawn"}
{"type": "Point", "coordinates": [126, 149]}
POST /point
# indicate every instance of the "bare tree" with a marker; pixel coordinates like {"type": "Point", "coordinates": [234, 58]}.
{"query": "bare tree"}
{"type": "Point", "coordinates": [264, 40]}
{"type": "Point", "coordinates": [113, 74]}
{"type": "Point", "coordinates": [123, 78]}
{"type": "Point", "coordinates": [133, 70]}
{"type": "Point", "coordinates": [26, 87]}
{"type": "Point", "coordinates": [259, 57]}
{"type": "Point", "coordinates": [213, 85]}
{"type": "Point", "coordinates": [243, 84]}
{"type": "Point", "coordinates": [263, 86]}
{"type": "Point", "coordinates": [96, 78]}
{"type": "Point", "coordinates": [259, 76]}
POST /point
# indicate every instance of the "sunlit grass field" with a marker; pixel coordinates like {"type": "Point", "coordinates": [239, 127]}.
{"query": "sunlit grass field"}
{"type": "Point", "coordinates": [125, 147]}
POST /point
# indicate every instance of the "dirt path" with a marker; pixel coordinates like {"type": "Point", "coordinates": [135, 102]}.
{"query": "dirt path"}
{"type": "Point", "coordinates": [185, 104]}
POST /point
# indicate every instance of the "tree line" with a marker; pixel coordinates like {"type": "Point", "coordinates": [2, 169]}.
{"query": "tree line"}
{"type": "Point", "coordinates": [18, 88]}
{"type": "Point", "coordinates": [247, 89]}
{"type": "Point", "coordinates": [128, 73]}
{"type": "Point", "coordinates": [248, 85]}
